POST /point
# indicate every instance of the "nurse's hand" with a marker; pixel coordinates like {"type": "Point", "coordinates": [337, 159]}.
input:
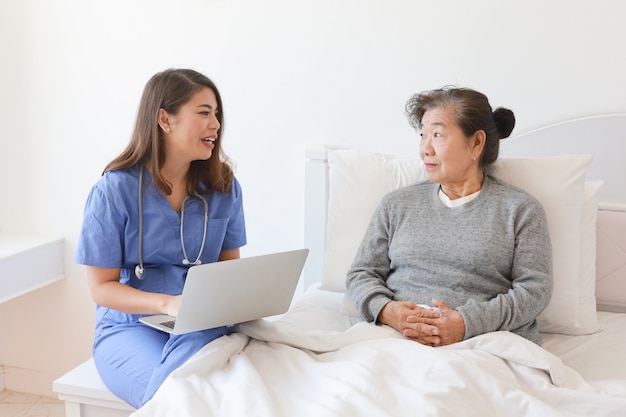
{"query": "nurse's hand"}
{"type": "Point", "coordinates": [173, 305]}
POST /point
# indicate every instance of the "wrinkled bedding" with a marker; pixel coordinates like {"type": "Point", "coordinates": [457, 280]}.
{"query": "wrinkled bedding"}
{"type": "Point", "coordinates": [317, 361]}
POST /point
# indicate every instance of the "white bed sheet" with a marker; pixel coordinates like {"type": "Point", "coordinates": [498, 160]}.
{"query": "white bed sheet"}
{"type": "Point", "coordinates": [598, 357]}
{"type": "Point", "coordinates": [315, 361]}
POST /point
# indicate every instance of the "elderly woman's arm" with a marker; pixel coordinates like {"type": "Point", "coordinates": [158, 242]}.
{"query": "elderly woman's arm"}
{"type": "Point", "coordinates": [531, 286]}
{"type": "Point", "coordinates": [367, 285]}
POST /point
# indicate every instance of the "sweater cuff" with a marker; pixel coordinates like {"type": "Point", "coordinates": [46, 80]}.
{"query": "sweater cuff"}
{"type": "Point", "coordinates": [471, 328]}
{"type": "Point", "coordinates": [375, 306]}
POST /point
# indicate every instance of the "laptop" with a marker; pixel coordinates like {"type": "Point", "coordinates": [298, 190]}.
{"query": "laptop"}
{"type": "Point", "coordinates": [234, 291]}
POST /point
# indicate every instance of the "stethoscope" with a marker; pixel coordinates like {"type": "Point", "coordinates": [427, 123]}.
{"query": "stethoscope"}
{"type": "Point", "coordinates": [139, 268]}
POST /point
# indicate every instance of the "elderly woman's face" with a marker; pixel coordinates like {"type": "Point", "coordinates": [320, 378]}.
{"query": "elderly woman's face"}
{"type": "Point", "coordinates": [444, 148]}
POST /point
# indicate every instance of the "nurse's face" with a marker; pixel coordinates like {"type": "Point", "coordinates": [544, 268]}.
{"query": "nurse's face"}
{"type": "Point", "coordinates": [193, 131]}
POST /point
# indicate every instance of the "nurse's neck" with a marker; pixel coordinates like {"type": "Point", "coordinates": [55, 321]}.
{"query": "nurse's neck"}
{"type": "Point", "coordinates": [176, 175]}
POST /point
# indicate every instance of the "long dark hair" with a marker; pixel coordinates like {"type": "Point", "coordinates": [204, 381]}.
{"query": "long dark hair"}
{"type": "Point", "coordinates": [170, 90]}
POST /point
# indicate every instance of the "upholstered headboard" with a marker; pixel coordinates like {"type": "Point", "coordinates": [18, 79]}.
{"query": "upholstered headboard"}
{"type": "Point", "coordinates": [602, 137]}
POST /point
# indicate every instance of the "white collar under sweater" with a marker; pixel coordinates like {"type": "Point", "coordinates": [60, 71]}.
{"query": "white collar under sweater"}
{"type": "Point", "coordinates": [458, 202]}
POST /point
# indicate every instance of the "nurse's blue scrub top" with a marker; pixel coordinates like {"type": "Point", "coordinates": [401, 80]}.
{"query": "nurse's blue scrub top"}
{"type": "Point", "coordinates": [109, 237]}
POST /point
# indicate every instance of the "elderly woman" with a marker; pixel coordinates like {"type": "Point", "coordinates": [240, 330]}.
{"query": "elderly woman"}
{"type": "Point", "coordinates": [463, 253]}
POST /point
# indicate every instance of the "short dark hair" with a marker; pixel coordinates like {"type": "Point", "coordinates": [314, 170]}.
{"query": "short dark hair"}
{"type": "Point", "coordinates": [472, 112]}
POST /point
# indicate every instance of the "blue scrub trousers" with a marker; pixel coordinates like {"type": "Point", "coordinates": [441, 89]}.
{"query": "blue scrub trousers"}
{"type": "Point", "coordinates": [133, 360]}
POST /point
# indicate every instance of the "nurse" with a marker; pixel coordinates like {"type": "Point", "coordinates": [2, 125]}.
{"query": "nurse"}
{"type": "Point", "coordinates": [168, 201]}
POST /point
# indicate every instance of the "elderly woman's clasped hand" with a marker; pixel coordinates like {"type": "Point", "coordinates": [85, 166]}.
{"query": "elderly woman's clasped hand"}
{"type": "Point", "coordinates": [424, 325]}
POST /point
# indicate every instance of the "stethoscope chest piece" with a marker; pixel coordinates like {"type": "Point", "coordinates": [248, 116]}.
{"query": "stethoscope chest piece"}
{"type": "Point", "coordinates": [139, 272]}
{"type": "Point", "coordinates": [188, 262]}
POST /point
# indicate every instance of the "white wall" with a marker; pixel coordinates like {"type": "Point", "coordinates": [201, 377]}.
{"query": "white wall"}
{"type": "Point", "coordinates": [292, 73]}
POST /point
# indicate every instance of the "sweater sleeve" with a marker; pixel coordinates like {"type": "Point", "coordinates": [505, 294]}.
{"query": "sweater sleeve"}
{"type": "Point", "coordinates": [531, 280]}
{"type": "Point", "coordinates": [366, 278]}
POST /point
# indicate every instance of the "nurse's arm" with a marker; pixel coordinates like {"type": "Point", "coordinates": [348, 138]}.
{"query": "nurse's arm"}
{"type": "Point", "coordinates": [107, 291]}
{"type": "Point", "coordinates": [228, 254]}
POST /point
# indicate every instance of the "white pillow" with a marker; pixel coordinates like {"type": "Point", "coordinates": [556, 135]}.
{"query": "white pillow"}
{"type": "Point", "coordinates": [359, 179]}
{"type": "Point", "coordinates": [558, 183]}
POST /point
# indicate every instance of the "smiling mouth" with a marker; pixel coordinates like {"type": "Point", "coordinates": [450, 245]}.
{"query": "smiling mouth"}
{"type": "Point", "coordinates": [209, 140]}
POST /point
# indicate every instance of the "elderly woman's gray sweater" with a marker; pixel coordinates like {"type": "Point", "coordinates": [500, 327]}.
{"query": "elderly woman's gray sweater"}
{"type": "Point", "coordinates": [490, 259]}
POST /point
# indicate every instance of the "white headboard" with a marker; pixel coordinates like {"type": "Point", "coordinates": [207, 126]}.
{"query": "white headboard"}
{"type": "Point", "coordinates": [602, 136]}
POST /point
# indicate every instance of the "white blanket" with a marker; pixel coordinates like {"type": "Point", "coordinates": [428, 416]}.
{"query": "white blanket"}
{"type": "Point", "coordinates": [315, 361]}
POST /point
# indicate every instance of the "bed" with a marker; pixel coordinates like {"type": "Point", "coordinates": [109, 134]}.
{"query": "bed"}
{"type": "Point", "coordinates": [319, 359]}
